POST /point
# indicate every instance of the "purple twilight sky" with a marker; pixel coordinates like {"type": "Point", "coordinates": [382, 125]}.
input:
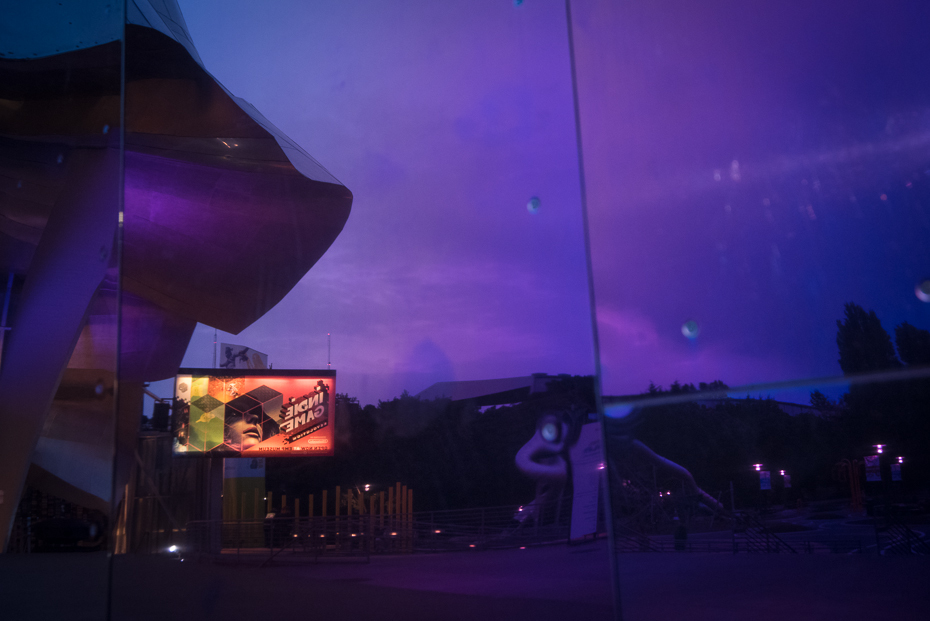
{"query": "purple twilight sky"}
{"type": "Point", "coordinates": [736, 162]}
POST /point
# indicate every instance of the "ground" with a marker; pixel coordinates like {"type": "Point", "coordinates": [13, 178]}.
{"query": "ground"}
{"type": "Point", "coordinates": [536, 584]}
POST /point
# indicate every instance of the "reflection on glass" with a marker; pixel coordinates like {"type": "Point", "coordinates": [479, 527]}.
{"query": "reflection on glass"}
{"type": "Point", "coordinates": [758, 207]}
{"type": "Point", "coordinates": [447, 313]}
{"type": "Point", "coordinates": [60, 165]}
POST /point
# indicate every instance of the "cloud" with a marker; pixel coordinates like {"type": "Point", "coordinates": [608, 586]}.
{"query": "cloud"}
{"type": "Point", "coordinates": [634, 353]}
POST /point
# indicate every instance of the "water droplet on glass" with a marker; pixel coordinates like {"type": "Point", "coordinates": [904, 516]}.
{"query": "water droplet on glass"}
{"type": "Point", "coordinates": [98, 389]}
{"type": "Point", "coordinates": [60, 158]}
{"type": "Point", "coordinates": [734, 171]}
{"type": "Point", "coordinates": [716, 175]}
{"type": "Point", "coordinates": [533, 205]}
{"type": "Point", "coordinates": [103, 253]}
{"type": "Point", "coordinates": [884, 197]}
{"type": "Point", "coordinates": [106, 129]}
{"type": "Point", "coordinates": [517, 2]}
{"type": "Point", "coordinates": [923, 290]}
{"type": "Point", "coordinates": [690, 329]}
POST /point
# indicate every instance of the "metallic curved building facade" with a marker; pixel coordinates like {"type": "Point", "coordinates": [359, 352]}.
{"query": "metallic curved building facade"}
{"type": "Point", "coordinates": [138, 197]}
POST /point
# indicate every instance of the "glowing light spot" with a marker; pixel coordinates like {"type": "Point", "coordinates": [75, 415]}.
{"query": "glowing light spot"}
{"type": "Point", "coordinates": [550, 432]}
{"type": "Point", "coordinates": [173, 549]}
{"type": "Point", "coordinates": [533, 205]}
{"type": "Point", "coordinates": [923, 290]}
{"type": "Point", "coordinates": [884, 197]}
{"type": "Point", "coordinates": [437, 531]}
{"type": "Point", "coordinates": [523, 547]}
{"type": "Point", "coordinates": [471, 545]}
{"type": "Point", "coordinates": [690, 329]}
{"type": "Point", "coordinates": [393, 534]}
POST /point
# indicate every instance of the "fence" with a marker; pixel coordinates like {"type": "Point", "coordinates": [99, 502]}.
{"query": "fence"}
{"type": "Point", "coordinates": [359, 536]}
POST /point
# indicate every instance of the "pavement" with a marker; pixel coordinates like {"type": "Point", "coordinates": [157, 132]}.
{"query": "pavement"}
{"type": "Point", "coordinates": [535, 584]}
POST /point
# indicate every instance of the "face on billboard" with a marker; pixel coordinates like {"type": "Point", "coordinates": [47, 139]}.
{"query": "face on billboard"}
{"type": "Point", "coordinates": [250, 413]}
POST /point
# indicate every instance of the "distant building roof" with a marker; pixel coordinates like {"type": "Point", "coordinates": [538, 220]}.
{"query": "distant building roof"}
{"type": "Point", "coordinates": [490, 391]}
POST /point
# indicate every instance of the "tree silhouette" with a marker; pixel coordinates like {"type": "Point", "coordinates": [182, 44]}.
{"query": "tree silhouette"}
{"type": "Point", "coordinates": [863, 343]}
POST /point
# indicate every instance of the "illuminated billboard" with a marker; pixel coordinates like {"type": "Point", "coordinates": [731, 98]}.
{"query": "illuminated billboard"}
{"type": "Point", "coordinates": [236, 413]}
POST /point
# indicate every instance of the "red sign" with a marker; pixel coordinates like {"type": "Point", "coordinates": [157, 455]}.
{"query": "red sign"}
{"type": "Point", "coordinates": [236, 413]}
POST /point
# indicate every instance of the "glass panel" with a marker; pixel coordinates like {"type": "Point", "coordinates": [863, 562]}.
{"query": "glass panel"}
{"type": "Point", "coordinates": [60, 194]}
{"type": "Point", "coordinates": [388, 198]}
{"type": "Point", "coordinates": [758, 216]}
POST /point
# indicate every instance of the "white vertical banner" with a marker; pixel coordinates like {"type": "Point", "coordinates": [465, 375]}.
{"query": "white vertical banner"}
{"type": "Point", "coordinates": [587, 458]}
{"type": "Point", "coordinates": [873, 470]}
{"type": "Point", "coordinates": [765, 479]}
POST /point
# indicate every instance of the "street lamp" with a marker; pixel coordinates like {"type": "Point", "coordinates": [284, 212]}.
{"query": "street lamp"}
{"type": "Point", "coordinates": [758, 467]}
{"type": "Point", "coordinates": [879, 448]}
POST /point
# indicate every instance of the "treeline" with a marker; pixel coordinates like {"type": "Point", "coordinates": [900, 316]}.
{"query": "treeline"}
{"type": "Point", "coordinates": [458, 454]}
{"type": "Point", "coordinates": [452, 454]}
{"type": "Point", "coordinates": [719, 440]}
{"type": "Point", "coordinates": [894, 412]}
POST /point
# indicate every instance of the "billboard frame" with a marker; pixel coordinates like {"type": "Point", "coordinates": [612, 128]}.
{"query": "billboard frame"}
{"type": "Point", "coordinates": [181, 425]}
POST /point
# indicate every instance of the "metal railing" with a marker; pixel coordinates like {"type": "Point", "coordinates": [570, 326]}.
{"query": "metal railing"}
{"type": "Point", "coordinates": [754, 536]}
{"type": "Point", "coordinates": [280, 539]}
{"type": "Point", "coordinates": [899, 537]}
